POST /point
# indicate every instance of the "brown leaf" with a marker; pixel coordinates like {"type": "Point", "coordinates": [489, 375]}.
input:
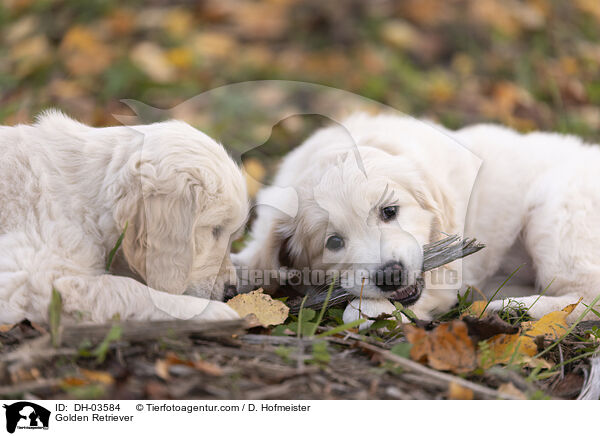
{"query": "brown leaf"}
{"type": "Point", "coordinates": [448, 347]}
{"type": "Point", "coordinates": [97, 376]}
{"type": "Point", "coordinates": [74, 381]}
{"type": "Point", "coordinates": [162, 366]}
{"type": "Point", "coordinates": [459, 392]}
{"type": "Point", "coordinates": [481, 329]}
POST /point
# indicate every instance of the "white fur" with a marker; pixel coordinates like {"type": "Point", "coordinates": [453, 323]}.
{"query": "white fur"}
{"type": "Point", "coordinates": [66, 192]}
{"type": "Point", "coordinates": [531, 199]}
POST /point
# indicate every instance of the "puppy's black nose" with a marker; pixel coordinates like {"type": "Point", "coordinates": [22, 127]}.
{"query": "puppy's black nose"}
{"type": "Point", "coordinates": [389, 277]}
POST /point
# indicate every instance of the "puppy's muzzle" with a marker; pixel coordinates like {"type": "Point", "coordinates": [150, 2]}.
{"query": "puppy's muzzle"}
{"type": "Point", "coordinates": [392, 279]}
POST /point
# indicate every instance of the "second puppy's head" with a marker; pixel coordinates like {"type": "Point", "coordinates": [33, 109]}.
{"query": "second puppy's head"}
{"type": "Point", "coordinates": [362, 216]}
{"type": "Point", "coordinates": [184, 200]}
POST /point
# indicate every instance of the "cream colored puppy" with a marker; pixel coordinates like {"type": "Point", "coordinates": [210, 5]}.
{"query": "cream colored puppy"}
{"type": "Point", "coordinates": [372, 191]}
{"type": "Point", "coordinates": [67, 191]}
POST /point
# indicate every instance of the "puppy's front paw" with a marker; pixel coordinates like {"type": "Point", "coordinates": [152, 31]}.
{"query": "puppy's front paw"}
{"type": "Point", "coordinates": [367, 309]}
{"type": "Point", "coordinates": [216, 311]}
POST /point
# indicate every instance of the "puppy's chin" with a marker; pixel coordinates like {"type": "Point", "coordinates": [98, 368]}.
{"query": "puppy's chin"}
{"type": "Point", "coordinates": [405, 295]}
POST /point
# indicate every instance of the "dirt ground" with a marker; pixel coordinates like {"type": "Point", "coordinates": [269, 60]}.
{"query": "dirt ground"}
{"type": "Point", "coordinates": [187, 360]}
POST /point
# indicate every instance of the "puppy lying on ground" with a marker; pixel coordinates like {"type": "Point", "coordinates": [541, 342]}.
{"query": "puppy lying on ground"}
{"type": "Point", "coordinates": [67, 192]}
{"type": "Point", "coordinates": [372, 191]}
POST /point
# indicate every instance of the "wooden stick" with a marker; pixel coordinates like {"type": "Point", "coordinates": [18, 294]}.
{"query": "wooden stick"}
{"type": "Point", "coordinates": [142, 331]}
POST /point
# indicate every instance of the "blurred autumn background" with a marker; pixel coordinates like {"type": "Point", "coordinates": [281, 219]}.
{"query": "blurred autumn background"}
{"type": "Point", "coordinates": [531, 64]}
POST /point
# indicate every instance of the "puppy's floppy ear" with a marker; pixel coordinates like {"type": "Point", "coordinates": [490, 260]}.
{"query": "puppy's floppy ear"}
{"type": "Point", "coordinates": [432, 197]}
{"type": "Point", "coordinates": [161, 214]}
{"type": "Point", "coordinates": [259, 264]}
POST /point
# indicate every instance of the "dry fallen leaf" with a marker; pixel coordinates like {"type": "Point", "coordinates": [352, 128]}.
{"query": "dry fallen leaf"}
{"type": "Point", "coordinates": [162, 369]}
{"type": "Point", "coordinates": [476, 309]}
{"type": "Point", "coordinates": [458, 392]}
{"type": "Point", "coordinates": [510, 389]}
{"type": "Point", "coordinates": [88, 377]}
{"type": "Point", "coordinates": [71, 382]}
{"type": "Point", "coordinates": [505, 348]}
{"type": "Point", "coordinates": [97, 376]}
{"type": "Point", "coordinates": [162, 366]}
{"type": "Point", "coordinates": [267, 311]}
{"type": "Point", "coordinates": [448, 347]}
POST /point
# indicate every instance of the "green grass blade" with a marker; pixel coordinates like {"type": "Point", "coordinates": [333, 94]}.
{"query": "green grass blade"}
{"type": "Point", "coordinates": [114, 334]}
{"type": "Point", "coordinates": [322, 312]}
{"type": "Point", "coordinates": [532, 304]}
{"type": "Point", "coordinates": [498, 290]}
{"type": "Point", "coordinates": [300, 317]}
{"type": "Point", "coordinates": [112, 253]}
{"type": "Point", "coordinates": [54, 314]}
{"type": "Point", "coordinates": [340, 328]}
{"type": "Point", "coordinates": [570, 329]}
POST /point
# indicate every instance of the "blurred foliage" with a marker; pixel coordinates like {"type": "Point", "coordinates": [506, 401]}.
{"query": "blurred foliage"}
{"type": "Point", "coordinates": [531, 64]}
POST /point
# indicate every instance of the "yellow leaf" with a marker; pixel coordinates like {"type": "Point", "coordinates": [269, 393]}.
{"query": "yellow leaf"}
{"type": "Point", "coordinates": [458, 392]}
{"type": "Point", "coordinates": [521, 348]}
{"type": "Point", "coordinates": [84, 53]}
{"type": "Point", "coordinates": [554, 324]}
{"type": "Point", "coordinates": [476, 309]}
{"type": "Point", "coordinates": [181, 57]}
{"type": "Point", "coordinates": [267, 311]}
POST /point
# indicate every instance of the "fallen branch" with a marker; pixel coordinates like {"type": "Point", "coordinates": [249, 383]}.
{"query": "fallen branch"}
{"type": "Point", "coordinates": [143, 331]}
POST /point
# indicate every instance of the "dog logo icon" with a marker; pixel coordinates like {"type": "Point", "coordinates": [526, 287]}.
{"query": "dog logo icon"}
{"type": "Point", "coordinates": [26, 415]}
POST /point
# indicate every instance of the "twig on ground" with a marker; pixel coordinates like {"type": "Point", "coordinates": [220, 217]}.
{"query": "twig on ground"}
{"type": "Point", "coordinates": [141, 331]}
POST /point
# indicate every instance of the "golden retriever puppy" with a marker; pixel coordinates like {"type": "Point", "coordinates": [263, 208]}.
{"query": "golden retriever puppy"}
{"type": "Point", "coordinates": [67, 191]}
{"type": "Point", "coordinates": [369, 193]}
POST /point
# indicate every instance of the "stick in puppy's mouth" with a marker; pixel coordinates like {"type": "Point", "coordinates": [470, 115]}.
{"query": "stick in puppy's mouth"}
{"type": "Point", "coordinates": [435, 255]}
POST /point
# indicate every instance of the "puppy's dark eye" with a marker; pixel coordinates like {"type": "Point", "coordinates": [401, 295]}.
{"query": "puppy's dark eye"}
{"type": "Point", "coordinates": [388, 213]}
{"type": "Point", "coordinates": [217, 232]}
{"type": "Point", "coordinates": [334, 243]}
